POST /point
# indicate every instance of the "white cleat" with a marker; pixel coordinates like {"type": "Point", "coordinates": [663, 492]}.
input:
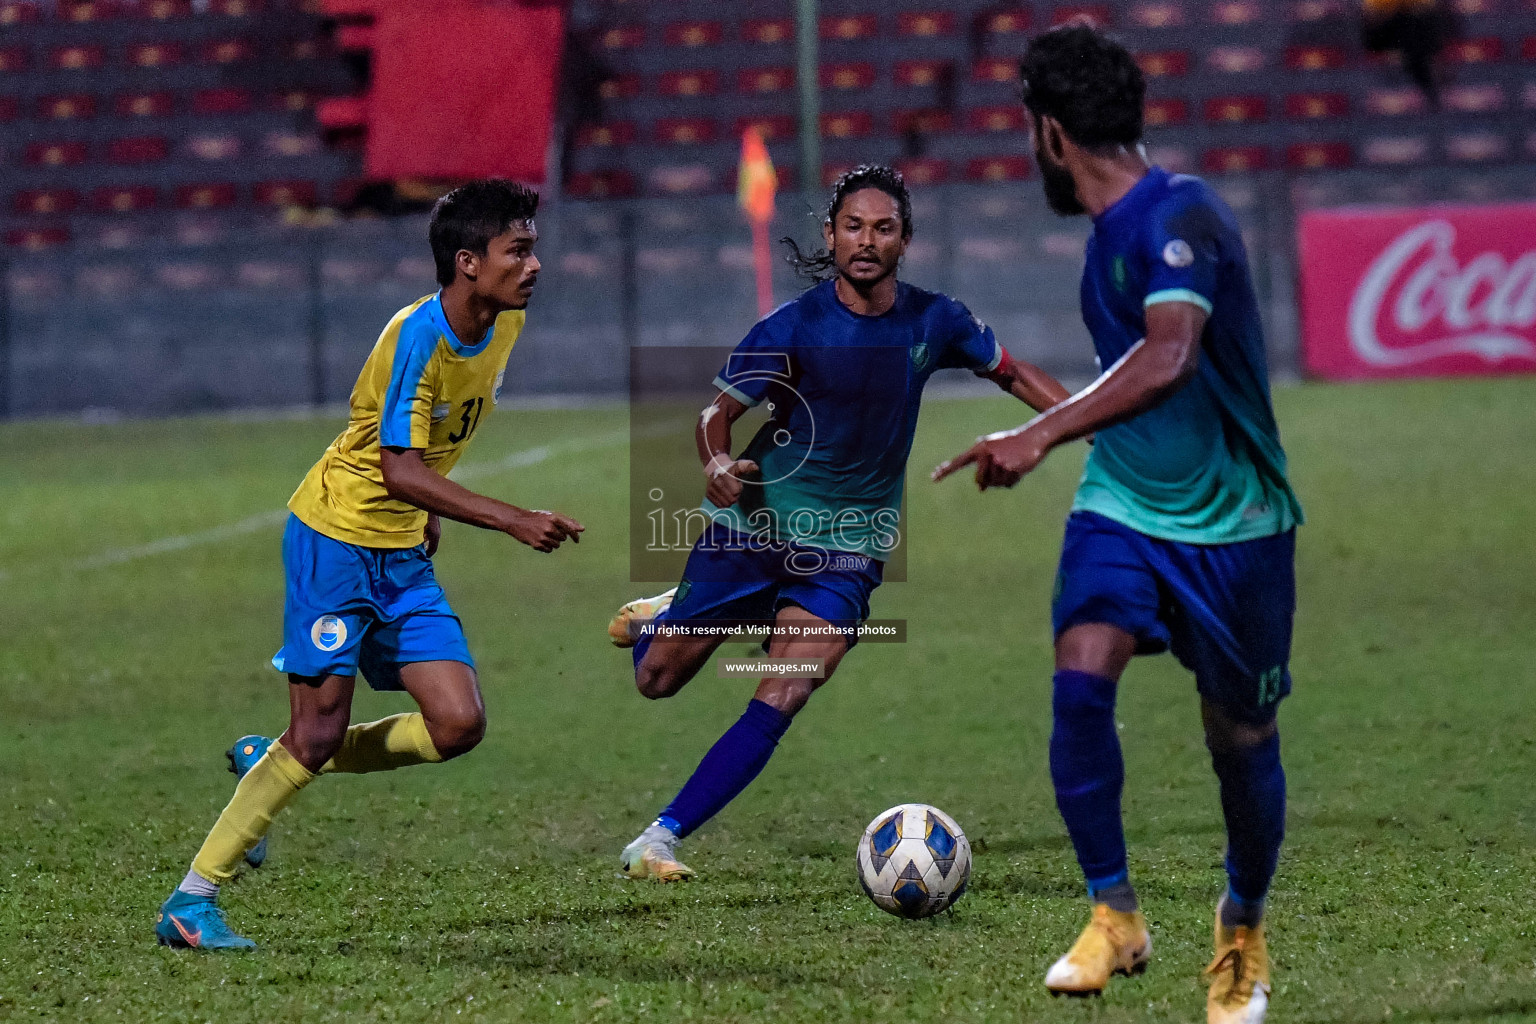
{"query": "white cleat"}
{"type": "Point", "coordinates": [622, 628]}
{"type": "Point", "coordinates": [651, 856]}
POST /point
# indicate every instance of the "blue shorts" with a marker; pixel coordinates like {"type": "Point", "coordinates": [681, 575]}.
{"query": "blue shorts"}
{"type": "Point", "coordinates": [1224, 609]}
{"type": "Point", "coordinates": [350, 607]}
{"type": "Point", "coordinates": [730, 577]}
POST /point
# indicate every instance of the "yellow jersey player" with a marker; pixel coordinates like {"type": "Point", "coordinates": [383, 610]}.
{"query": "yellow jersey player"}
{"type": "Point", "coordinates": [361, 593]}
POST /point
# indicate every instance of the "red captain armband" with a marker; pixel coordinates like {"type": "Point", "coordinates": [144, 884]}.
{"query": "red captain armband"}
{"type": "Point", "coordinates": [1002, 373]}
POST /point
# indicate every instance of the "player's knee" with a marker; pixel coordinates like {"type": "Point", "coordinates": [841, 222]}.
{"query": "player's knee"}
{"type": "Point", "coordinates": [457, 734]}
{"type": "Point", "coordinates": [1227, 730]}
{"type": "Point", "coordinates": [656, 682]}
{"type": "Point", "coordinates": [315, 741]}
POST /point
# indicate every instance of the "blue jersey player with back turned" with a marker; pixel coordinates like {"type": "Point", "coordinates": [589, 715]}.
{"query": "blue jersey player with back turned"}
{"type": "Point", "coordinates": [802, 521]}
{"type": "Point", "coordinates": [1183, 532]}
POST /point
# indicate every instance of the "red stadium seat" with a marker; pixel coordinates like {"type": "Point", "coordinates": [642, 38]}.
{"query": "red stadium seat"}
{"type": "Point", "coordinates": [601, 184]}
{"type": "Point", "coordinates": [851, 124]}
{"type": "Point", "coordinates": [1008, 118]}
{"type": "Point", "coordinates": [1477, 147]}
{"type": "Point", "coordinates": [1235, 60]}
{"type": "Point", "coordinates": [1475, 99]}
{"type": "Point", "coordinates": [54, 154]}
{"type": "Point", "coordinates": [9, 108]}
{"type": "Point", "coordinates": [1234, 159]}
{"type": "Point", "coordinates": [1237, 109]}
{"type": "Point", "coordinates": [45, 201]}
{"type": "Point", "coordinates": [213, 146]}
{"type": "Point", "coordinates": [685, 131]}
{"type": "Point", "coordinates": [996, 69]}
{"type": "Point", "coordinates": [998, 168]}
{"type": "Point", "coordinates": [847, 76]}
{"type": "Point", "coordinates": [849, 27]}
{"type": "Point", "coordinates": [1165, 112]}
{"type": "Point", "coordinates": [87, 10]}
{"type": "Point", "coordinates": [1160, 14]}
{"type": "Point", "coordinates": [701, 82]}
{"type": "Point", "coordinates": [831, 172]}
{"type": "Point", "coordinates": [144, 104]}
{"type": "Point", "coordinates": [17, 12]}
{"type": "Point", "coordinates": [221, 101]}
{"type": "Point", "coordinates": [1475, 51]}
{"type": "Point", "coordinates": [141, 149]}
{"type": "Point", "coordinates": [342, 113]}
{"type": "Point", "coordinates": [923, 171]}
{"type": "Point", "coordinates": [694, 33]}
{"type": "Point", "coordinates": [154, 55]}
{"type": "Point", "coordinates": [285, 193]}
{"type": "Point", "coordinates": [768, 31]}
{"type": "Point", "coordinates": [226, 51]}
{"type": "Point", "coordinates": [765, 80]}
{"type": "Point", "coordinates": [1316, 10]}
{"type": "Point", "coordinates": [1389, 102]}
{"type": "Point", "coordinates": [921, 72]}
{"type": "Point", "coordinates": [66, 108]}
{"type": "Point", "coordinates": [125, 198]}
{"type": "Point", "coordinates": [1093, 14]}
{"type": "Point", "coordinates": [772, 127]}
{"type": "Point", "coordinates": [36, 238]}
{"type": "Point", "coordinates": [1316, 106]}
{"type": "Point", "coordinates": [1236, 12]}
{"type": "Point", "coordinates": [1395, 149]}
{"type": "Point", "coordinates": [206, 197]}
{"type": "Point", "coordinates": [1313, 156]}
{"type": "Point", "coordinates": [922, 122]}
{"type": "Point", "coordinates": [1012, 22]}
{"type": "Point", "coordinates": [163, 10]}
{"type": "Point", "coordinates": [924, 24]}
{"type": "Point", "coordinates": [620, 87]}
{"type": "Point", "coordinates": [1315, 58]}
{"type": "Point", "coordinates": [76, 58]}
{"type": "Point", "coordinates": [1164, 63]}
{"type": "Point", "coordinates": [13, 58]}
{"type": "Point", "coordinates": [614, 133]}
{"type": "Point", "coordinates": [622, 37]}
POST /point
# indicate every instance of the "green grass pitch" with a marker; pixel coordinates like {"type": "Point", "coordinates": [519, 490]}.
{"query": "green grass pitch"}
{"type": "Point", "coordinates": [486, 889]}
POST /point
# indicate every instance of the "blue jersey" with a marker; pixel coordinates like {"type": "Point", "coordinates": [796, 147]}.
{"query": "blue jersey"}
{"type": "Point", "coordinates": [1205, 466]}
{"type": "Point", "coordinates": [842, 392]}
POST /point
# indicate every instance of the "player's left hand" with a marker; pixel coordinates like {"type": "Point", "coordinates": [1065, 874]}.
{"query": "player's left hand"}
{"type": "Point", "coordinates": [1001, 460]}
{"type": "Point", "coordinates": [434, 533]}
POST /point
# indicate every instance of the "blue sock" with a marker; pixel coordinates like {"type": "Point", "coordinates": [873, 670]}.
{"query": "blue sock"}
{"type": "Point", "coordinates": [729, 767]}
{"type": "Point", "coordinates": [1253, 803]}
{"type": "Point", "coordinates": [1089, 773]}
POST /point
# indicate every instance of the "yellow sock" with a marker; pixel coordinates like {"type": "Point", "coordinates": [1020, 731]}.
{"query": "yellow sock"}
{"type": "Point", "coordinates": [265, 790]}
{"type": "Point", "coordinates": [393, 742]}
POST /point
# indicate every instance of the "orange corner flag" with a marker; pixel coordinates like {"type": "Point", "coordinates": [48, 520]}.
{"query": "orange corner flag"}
{"type": "Point", "coordinates": [756, 183]}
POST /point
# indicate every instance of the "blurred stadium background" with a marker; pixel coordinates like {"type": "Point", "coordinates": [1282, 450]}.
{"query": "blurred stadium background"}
{"type": "Point", "coordinates": [215, 204]}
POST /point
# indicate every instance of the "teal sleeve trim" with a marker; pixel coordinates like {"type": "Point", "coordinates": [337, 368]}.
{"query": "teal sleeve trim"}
{"type": "Point", "coordinates": [1179, 295]}
{"type": "Point", "coordinates": [997, 357]}
{"type": "Point", "coordinates": [742, 397]}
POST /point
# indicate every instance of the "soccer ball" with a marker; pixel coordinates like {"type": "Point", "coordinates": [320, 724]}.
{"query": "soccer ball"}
{"type": "Point", "coordinates": [913, 860]}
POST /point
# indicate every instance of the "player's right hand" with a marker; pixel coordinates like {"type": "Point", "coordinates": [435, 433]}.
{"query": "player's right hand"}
{"type": "Point", "coordinates": [725, 483]}
{"type": "Point", "coordinates": [543, 531]}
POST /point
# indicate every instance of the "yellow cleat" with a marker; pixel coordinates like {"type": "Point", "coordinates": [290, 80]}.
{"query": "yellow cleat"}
{"type": "Point", "coordinates": [1238, 976]}
{"type": "Point", "coordinates": [650, 856]}
{"type": "Point", "coordinates": [1113, 943]}
{"type": "Point", "coordinates": [620, 628]}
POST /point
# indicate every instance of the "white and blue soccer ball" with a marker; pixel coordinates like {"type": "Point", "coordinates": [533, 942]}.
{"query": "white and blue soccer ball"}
{"type": "Point", "coordinates": [914, 861]}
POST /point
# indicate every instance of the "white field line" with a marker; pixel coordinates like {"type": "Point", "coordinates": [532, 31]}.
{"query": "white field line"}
{"type": "Point", "coordinates": [273, 517]}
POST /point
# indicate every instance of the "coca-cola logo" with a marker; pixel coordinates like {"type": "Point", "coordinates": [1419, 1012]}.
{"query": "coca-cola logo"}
{"type": "Point", "coordinates": [1417, 301]}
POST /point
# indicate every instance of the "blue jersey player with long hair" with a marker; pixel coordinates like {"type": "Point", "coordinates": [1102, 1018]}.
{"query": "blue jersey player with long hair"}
{"type": "Point", "coordinates": [1182, 534]}
{"type": "Point", "coordinates": [803, 519]}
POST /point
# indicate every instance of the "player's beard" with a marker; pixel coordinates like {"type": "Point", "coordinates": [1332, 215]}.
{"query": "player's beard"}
{"type": "Point", "coordinates": [1060, 189]}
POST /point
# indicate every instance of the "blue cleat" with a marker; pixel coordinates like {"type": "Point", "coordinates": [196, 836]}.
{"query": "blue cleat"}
{"type": "Point", "coordinates": [186, 921]}
{"type": "Point", "coordinates": [246, 752]}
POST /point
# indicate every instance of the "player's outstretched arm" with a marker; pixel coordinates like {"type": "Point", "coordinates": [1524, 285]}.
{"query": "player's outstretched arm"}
{"type": "Point", "coordinates": [1028, 383]}
{"type": "Point", "coordinates": [409, 479]}
{"type": "Point", "coordinates": [713, 438]}
{"type": "Point", "coordinates": [1153, 369]}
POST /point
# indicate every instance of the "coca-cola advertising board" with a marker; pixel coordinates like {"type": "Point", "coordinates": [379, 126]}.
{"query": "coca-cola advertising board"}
{"type": "Point", "coordinates": [1419, 292]}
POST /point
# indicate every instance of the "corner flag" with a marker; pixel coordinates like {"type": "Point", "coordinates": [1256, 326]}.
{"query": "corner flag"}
{"type": "Point", "coordinates": [756, 184]}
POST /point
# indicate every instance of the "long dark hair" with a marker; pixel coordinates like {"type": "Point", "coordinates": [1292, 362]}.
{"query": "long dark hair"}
{"type": "Point", "coordinates": [818, 264]}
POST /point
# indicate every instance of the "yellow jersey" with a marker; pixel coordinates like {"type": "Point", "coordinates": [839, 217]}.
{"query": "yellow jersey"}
{"type": "Point", "coordinates": [420, 388]}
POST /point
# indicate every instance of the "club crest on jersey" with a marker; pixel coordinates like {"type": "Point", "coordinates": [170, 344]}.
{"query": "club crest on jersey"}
{"type": "Point", "coordinates": [329, 632]}
{"type": "Point", "coordinates": [920, 356]}
{"type": "Point", "coordinates": [440, 412]}
{"type": "Point", "coordinates": [1178, 254]}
